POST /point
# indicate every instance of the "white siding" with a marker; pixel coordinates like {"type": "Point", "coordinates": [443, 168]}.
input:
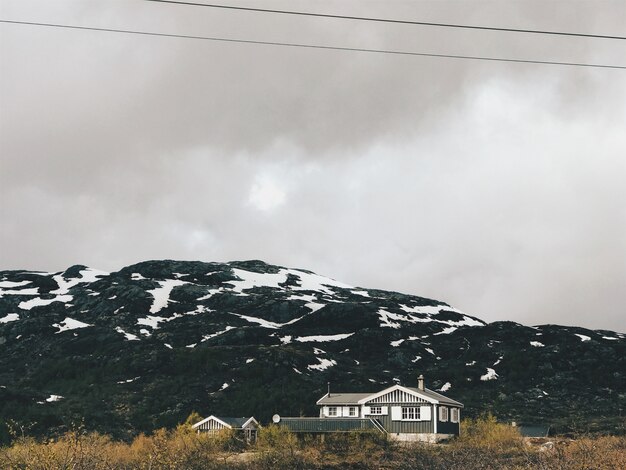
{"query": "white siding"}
{"type": "Point", "coordinates": [210, 426]}
{"type": "Point", "coordinates": [398, 396]}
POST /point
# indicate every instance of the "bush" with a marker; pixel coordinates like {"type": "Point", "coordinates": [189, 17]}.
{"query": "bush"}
{"type": "Point", "coordinates": [486, 433]}
{"type": "Point", "coordinates": [485, 444]}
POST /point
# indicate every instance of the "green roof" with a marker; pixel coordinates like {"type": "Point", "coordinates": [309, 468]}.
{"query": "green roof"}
{"type": "Point", "coordinates": [234, 422]}
{"type": "Point", "coordinates": [342, 398]}
{"type": "Point", "coordinates": [354, 398]}
{"type": "Point", "coordinates": [315, 425]}
{"type": "Point", "coordinates": [436, 396]}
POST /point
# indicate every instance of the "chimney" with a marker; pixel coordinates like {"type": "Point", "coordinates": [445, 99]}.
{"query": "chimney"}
{"type": "Point", "coordinates": [420, 382]}
{"type": "Point", "coordinates": [328, 389]}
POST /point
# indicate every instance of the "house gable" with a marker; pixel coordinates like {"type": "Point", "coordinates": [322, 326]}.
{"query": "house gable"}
{"type": "Point", "coordinates": [219, 422]}
{"type": "Point", "coordinates": [253, 423]}
{"type": "Point", "coordinates": [397, 394]}
{"type": "Point", "coordinates": [214, 423]}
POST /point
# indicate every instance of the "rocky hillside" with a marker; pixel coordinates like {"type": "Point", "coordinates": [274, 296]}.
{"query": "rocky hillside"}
{"type": "Point", "coordinates": [142, 347]}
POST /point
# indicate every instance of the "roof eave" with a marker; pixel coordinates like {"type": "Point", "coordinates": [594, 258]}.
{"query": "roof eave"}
{"type": "Point", "coordinates": [209, 418]}
{"type": "Point", "coordinates": [319, 402]}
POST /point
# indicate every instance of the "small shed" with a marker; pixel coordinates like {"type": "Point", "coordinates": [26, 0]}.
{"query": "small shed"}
{"type": "Point", "coordinates": [214, 424]}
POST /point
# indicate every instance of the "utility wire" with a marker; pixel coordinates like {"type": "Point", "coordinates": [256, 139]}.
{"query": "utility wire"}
{"type": "Point", "coordinates": [389, 20]}
{"type": "Point", "coordinates": [314, 46]}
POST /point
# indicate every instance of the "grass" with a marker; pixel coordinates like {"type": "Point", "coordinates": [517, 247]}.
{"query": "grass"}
{"type": "Point", "coordinates": [484, 444]}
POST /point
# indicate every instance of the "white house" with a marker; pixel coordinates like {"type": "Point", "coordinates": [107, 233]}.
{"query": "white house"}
{"type": "Point", "coordinates": [405, 413]}
{"type": "Point", "coordinates": [214, 424]}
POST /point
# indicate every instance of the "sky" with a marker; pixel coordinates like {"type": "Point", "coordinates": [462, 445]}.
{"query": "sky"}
{"type": "Point", "coordinates": [498, 188]}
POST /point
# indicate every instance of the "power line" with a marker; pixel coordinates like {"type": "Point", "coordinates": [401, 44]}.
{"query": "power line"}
{"type": "Point", "coordinates": [389, 20]}
{"type": "Point", "coordinates": [314, 46]}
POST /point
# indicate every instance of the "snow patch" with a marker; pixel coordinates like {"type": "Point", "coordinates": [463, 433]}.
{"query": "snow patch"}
{"type": "Point", "coordinates": [323, 364]}
{"type": "Point", "coordinates": [250, 280]}
{"type": "Point", "coordinates": [69, 324]}
{"type": "Point", "coordinates": [445, 387]}
{"type": "Point", "coordinates": [260, 321]}
{"type": "Point", "coordinates": [604, 337]}
{"type": "Point", "coordinates": [387, 317]}
{"type": "Point", "coordinates": [10, 284]}
{"type": "Point", "coordinates": [210, 294]}
{"type": "Point", "coordinates": [446, 331]}
{"type": "Point", "coordinates": [308, 281]}
{"type": "Point", "coordinates": [583, 337]}
{"type": "Point", "coordinates": [52, 398]}
{"type": "Point", "coordinates": [323, 338]}
{"type": "Point", "coordinates": [433, 310]}
{"type": "Point", "coordinates": [537, 344]}
{"type": "Point", "coordinates": [490, 375]}
{"type": "Point", "coordinates": [127, 381]}
{"type": "Point", "coordinates": [314, 306]}
{"type": "Point", "coordinates": [31, 291]}
{"type": "Point", "coordinates": [38, 302]}
{"type": "Point", "coordinates": [396, 343]}
{"type": "Point", "coordinates": [315, 282]}
{"type": "Point", "coordinates": [151, 321]}
{"type": "Point", "coordinates": [128, 336]}
{"type": "Point", "coordinates": [417, 358]}
{"type": "Point", "coordinates": [208, 337]}
{"type": "Point", "coordinates": [470, 363]}
{"type": "Point", "coordinates": [9, 317]}
{"type": "Point", "coordinates": [86, 276]}
{"type": "Point", "coordinates": [162, 294]}
{"type": "Point", "coordinates": [137, 277]}
{"type": "Point", "coordinates": [248, 361]}
{"type": "Point", "coordinates": [362, 293]}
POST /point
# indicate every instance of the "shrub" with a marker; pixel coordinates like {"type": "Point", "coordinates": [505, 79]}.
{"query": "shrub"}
{"type": "Point", "coordinates": [486, 433]}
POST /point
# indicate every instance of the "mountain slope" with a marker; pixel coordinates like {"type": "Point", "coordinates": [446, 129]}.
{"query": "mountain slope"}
{"type": "Point", "coordinates": [142, 347]}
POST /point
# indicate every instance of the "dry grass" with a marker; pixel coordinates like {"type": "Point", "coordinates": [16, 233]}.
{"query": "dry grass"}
{"type": "Point", "coordinates": [484, 444]}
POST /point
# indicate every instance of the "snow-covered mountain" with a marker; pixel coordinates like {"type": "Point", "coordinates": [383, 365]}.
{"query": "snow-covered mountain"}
{"type": "Point", "coordinates": [144, 346]}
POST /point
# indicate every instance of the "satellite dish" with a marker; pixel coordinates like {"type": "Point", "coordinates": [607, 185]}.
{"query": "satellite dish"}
{"type": "Point", "coordinates": [276, 418]}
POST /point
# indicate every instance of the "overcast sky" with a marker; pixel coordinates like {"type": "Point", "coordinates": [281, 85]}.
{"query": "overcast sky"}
{"type": "Point", "coordinates": [499, 188]}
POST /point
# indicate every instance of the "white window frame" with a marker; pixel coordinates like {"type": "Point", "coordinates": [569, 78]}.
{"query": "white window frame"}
{"type": "Point", "coordinates": [443, 414]}
{"type": "Point", "coordinates": [376, 410]}
{"type": "Point", "coordinates": [332, 411]}
{"type": "Point", "coordinates": [352, 411]}
{"type": "Point", "coordinates": [454, 415]}
{"type": "Point", "coordinates": [411, 413]}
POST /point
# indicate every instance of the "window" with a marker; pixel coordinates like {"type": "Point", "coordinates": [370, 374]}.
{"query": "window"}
{"type": "Point", "coordinates": [376, 410]}
{"type": "Point", "coordinates": [454, 415]}
{"type": "Point", "coordinates": [443, 413]}
{"type": "Point", "coordinates": [411, 413]}
{"type": "Point", "coordinates": [352, 411]}
{"type": "Point", "coordinates": [332, 411]}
